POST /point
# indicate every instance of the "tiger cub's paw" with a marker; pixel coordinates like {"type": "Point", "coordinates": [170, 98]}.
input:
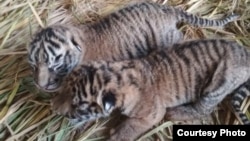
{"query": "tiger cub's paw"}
{"type": "Point", "coordinates": [61, 105]}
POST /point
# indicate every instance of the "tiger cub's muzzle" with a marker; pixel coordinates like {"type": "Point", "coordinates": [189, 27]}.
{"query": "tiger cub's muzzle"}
{"type": "Point", "coordinates": [48, 81]}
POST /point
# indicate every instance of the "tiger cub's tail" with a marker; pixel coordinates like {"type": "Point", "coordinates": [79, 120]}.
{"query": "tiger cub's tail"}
{"type": "Point", "coordinates": [237, 100]}
{"type": "Point", "coordinates": [202, 22]}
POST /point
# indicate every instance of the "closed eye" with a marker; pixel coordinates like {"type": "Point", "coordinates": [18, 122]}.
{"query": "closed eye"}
{"type": "Point", "coordinates": [58, 57]}
{"type": "Point", "coordinates": [61, 69]}
{"type": "Point", "coordinates": [58, 67]}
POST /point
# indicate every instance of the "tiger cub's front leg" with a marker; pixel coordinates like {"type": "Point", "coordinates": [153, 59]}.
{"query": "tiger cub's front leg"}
{"type": "Point", "coordinates": [67, 105]}
{"type": "Point", "coordinates": [133, 127]}
{"type": "Point", "coordinates": [62, 104]}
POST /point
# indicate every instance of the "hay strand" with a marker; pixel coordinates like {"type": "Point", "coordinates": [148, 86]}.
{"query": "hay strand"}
{"type": "Point", "coordinates": [9, 100]}
{"type": "Point", "coordinates": [25, 111]}
{"type": "Point", "coordinates": [36, 15]}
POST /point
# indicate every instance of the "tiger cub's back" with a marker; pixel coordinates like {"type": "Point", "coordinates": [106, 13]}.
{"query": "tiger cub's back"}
{"type": "Point", "coordinates": [141, 27]}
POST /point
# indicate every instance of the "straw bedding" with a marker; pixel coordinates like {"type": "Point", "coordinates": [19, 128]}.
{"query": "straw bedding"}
{"type": "Point", "coordinates": [24, 110]}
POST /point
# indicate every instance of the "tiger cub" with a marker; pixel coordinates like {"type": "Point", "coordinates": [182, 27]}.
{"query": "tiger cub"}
{"type": "Point", "coordinates": [128, 33]}
{"type": "Point", "coordinates": [183, 82]}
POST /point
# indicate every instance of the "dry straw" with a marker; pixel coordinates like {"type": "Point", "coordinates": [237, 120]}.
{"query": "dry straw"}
{"type": "Point", "coordinates": [25, 112]}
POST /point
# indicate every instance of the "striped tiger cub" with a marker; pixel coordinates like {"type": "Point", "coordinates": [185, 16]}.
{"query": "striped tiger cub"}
{"type": "Point", "coordinates": [128, 33]}
{"type": "Point", "coordinates": [182, 82]}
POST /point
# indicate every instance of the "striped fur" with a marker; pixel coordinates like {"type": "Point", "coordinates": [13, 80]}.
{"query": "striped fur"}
{"type": "Point", "coordinates": [182, 82]}
{"type": "Point", "coordinates": [128, 33]}
{"type": "Point", "coordinates": [239, 96]}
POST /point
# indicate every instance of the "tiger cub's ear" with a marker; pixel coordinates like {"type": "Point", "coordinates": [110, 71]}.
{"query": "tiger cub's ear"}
{"type": "Point", "coordinates": [108, 101]}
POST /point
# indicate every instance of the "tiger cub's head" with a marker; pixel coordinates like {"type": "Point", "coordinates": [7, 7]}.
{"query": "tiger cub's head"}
{"type": "Point", "coordinates": [92, 91]}
{"type": "Point", "coordinates": [53, 53]}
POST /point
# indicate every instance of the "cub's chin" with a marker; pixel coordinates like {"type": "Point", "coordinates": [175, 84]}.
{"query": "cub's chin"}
{"type": "Point", "coordinates": [50, 88]}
